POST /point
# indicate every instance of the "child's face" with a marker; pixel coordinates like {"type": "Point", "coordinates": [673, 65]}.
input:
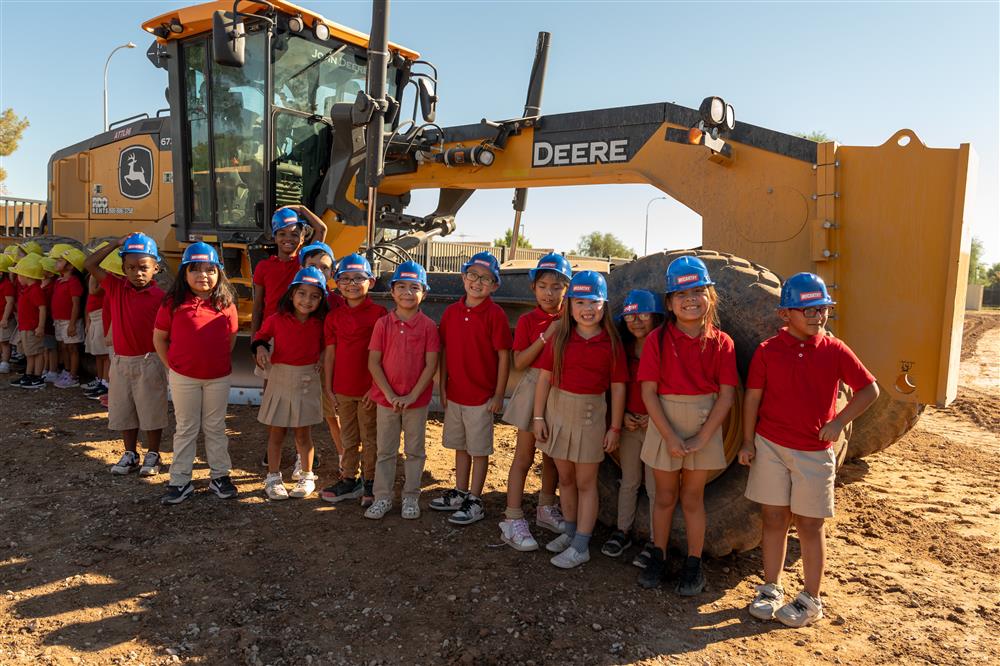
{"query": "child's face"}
{"type": "Point", "coordinates": [202, 277]}
{"type": "Point", "coordinates": [407, 295]}
{"type": "Point", "coordinates": [62, 266]}
{"type": "Point", "coordinates": [479, 283]}
{"type": "Point", "coordinates": [640, 325]}
{"type": "Point", "coordinates": [586, 312]}
{"type": "Point", "coordinates": [690, 305]}
{"type": "Point", "coordinates": [139, 269]}
{"type": "Point", "coordinates": [550, 290]}
{"type": "Point", "coordinates": [806, 322]}
{"type": "Point", "coordinates": [288, 240]}
{"type": "Point", "coordinates": [354, 285]}
{"type": "Point", "coordinates": [26, 281]}
{"type": "Point", "coordinates": [322, 261]}
{"type": "Point", "coordinates": [306, 299]}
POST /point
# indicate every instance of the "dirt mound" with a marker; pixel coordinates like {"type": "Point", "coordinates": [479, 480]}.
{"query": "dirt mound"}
{"type": "Point", "coordinates": [976, 325]}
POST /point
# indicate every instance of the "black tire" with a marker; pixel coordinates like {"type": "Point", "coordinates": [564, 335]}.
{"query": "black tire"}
{"type": "Point", "coordinates": [48, 240]}
{"type": "Point", "coordinates": [882, 424]}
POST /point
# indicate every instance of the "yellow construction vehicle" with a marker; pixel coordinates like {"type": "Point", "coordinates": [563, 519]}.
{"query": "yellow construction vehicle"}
{"type": "Point", "coordinates": [272, 104]}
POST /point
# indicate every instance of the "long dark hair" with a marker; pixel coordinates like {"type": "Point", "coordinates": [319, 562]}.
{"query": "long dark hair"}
{"type": "Point", "coordinates": [561, 340]}
{"type": "Point", "coordinates": [286, 305]}
{"type": "Point", "coordinates": [628, 339]}
{"type": "Point", "coordinates": [222, 295]}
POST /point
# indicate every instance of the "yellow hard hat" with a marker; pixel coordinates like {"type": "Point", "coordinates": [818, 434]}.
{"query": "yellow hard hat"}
{"type": "Point", "coordinates": [111, 263]}
{"type": "Point", "coordinates": [29, 266]}
{"type": "Point", "coordinates": [48, 265]}
{"type": "Point", "coordinates": [31, 247]}
{"type": "Point", "coordinates": [75, 256]}
{"type": "Point", "coordinates": [56, 251]}
{"type": "Point", "coordinates": [5, 263]}
{"type": "Point", "coordinates": [14, 252]}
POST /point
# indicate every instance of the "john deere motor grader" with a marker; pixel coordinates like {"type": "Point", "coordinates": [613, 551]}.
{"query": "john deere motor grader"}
{"type": "Point", "coordinates": [271, 104]}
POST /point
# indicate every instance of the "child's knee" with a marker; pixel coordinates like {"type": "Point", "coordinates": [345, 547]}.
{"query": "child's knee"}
{"type": "Point", "coordinates": [810, 526]}
{"type": "Point", "coordinates": [775, 516]}
{"type": "Point", "coordinates": [665, 498]}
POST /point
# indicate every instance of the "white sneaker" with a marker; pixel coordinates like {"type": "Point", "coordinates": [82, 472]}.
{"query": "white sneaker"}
{"type": "Point", "coordinates": [470, 512]}
{"type": "Point", "coordinates": [150, 464]}
{"type": "Point", "coordinates": [66, 381]}
{"type": "Point", "coordinates": [297, 470]}
{"type": "Point", "coordinates": [769, 599]}
{"type": "Point", "coordinates": [4, 368]}
{"type": "Point", "coordinates": [804, 609]}
{"type": "Point", "coordinates": [411, 508]}
{"type": "Point", "coordinates": [129, 462]}
{"type": "Point", "coordinates": [378, 510]}
{"type": "Point", "coordinates": [305, 486]}
{"type": "Point", "coordinates": [551, 518]}
{"type": "Point", "coordinates": [570, 558]}
{"type": "Point", "coordinates": [274, 488]}
{"type": "Point", "coordinates": [559, 544]}
{"type": "Point", "coordinates": [50, 377]}
{"type": "Point", "coordinates": [515, 533]}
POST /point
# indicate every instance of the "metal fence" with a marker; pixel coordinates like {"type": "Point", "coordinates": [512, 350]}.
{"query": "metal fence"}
{"type": "Point", "coordinates": [21, 217]}
{"type": "Point", "coordinates": [451, 256]}
{"type": "Point", "coordinates": [991, 296]}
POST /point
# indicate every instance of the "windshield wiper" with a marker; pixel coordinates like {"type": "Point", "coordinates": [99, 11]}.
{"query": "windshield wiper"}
{"type": "Point", "coordinates": [315, 62]}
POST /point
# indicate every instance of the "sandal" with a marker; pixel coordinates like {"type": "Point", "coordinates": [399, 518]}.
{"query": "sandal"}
{"type": "Point", "coordinates": [616, 544]}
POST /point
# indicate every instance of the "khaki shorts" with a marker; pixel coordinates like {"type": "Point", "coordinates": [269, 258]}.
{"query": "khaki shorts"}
{"type": "Point", "coordinates": [521, 406]}
{"type": "Point", "coordinates": [62, 332]}
{"type": "Point", "coordinates": [94, 342]}
{"type": "Point", "coordinates": [137, 393]}
{"type": "Point", "coordinates": [800, 480]}
{"type": "Point", "coordinates": [468, 428]}
{"type": "Point", "coordinates": [7, 332]}
{"type": "Point", "coordinates": [29, 344]}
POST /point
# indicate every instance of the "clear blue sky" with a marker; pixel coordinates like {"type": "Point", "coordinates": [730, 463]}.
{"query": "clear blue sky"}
{"type": "Point", "coordinates": [857, 72]}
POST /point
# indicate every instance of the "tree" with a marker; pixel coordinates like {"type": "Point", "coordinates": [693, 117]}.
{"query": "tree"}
{"type": "Point", "coordinates": [818, 137]}
{"type": "Point", "coordinates": [993, 274]}
{"type": "Point", "coordinates": [597, 244]}
{"type": "Point", "coordinates": [508, 236]}
{"type": "Point", "coordinates": [977, 271]}
{"type": "Point", "coordinates": [11, 129]}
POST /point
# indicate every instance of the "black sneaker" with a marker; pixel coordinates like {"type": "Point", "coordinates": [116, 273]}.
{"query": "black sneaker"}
{"type": "Point", "coordinates": [692, 580]}
{"type": "Point", "coordinates": [616, 544]}
{"type": "Point", "coordinates": [470, 512]}
{"type": "Point", "coordinates": [643, 557]}
{"type": "Point", "coordinates": [223, 487]}
{"type": "Point", "coordinates": [368, 498]}
{"type": "Point", "coordinates": [654, 572]}
{"type": "Point", "coordinates": [19, 380]}
{"type": "Point", "coordinates": [344, 489]}
{"type": "Point", "coordinates": [451, 500]}
{"type": "Point", "coordinates": [96, 392]}
{"type": "Point", "coordinates": [32, 383]}
{"type": "Point", "coordinates": [177, 494]}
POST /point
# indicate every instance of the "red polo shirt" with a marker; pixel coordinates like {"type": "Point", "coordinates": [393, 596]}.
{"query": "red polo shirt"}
{"type": "Point", "coordinates": [688, 366]}
{"type": "Point", "coordinates": [800, 379]}
{"type": "Point", "coordinates": [471, 338]}
{"type": "Point", "coordinates": [587, 367]}
{"type": "Point", "coordinates": [133, 313]}
{"type": "Point", "coordinates": [7, 288]}
{"type": "Point", "coordinates": [199, 337]}
{"type": "Point", "coordinates": [94, 302]}
{"type": "Point", "coordinates": [350, 330]}
{"type": "Point", "coordinates": [334, 301]}
{"type": "Point", "coordinates": [403, 345]}
{"type": "Point", "coordinates": [529, 327]}
{"type": "Point", "coordinates": [106, 317]}
{"type": "Point", "coordinates": [32, 298]}
{"type": "Point", "coordinates": [48, 289]}
{"type": "Point", "coordinates": [293, 342]}
{"type": "Point", "coordinates": [65, 290]}
{"type": "Point", "coordinates": [273, 276]}
{"type": "Point", "coordinates": [633, 389]}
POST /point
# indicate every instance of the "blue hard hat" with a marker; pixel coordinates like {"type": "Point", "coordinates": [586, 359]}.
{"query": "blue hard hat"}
{"type": "Point", "coordinates": [138, 243]}
{"type": "Point", "coordinates": [409, 271]}
{"type": "Point", "coordinates": [687, 273]}
{"type": "Point", "coordinates": [316, 247]}
{"type": "Point", "coordinates": [552, 262]}
{"type": "Point", "coordinates": [198, 253]}
{"type": "Point", "coordinates": [588, 285]}
{"type": "Point", "coordinates": [310, 276]}
{"type": "Point", "coordinates": [804, 290]}
{"type": "Point", "coordinates": [639, 301]}
{"type": "Point", "coordinates": [487, 261]}
{"type": "Point", "coordinates": [354, 263]}
{"type": "Point", "coordinates": [283, 217]}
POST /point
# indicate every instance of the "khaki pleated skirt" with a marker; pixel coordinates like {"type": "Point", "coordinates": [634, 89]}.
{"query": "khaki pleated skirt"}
{"type": "Point", "coordinates": [292, 398]}
{"type": "Point", "coordinates": [686, 414]}
{"type": "Point", "coordinates": [521, 406]}
{"type": "Point", "coordinates": [576, 426]}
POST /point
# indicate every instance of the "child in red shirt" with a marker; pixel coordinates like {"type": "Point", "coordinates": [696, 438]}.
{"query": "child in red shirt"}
{"type": "Point", "coordinates": [688, 375]}
{"type": "Point", "coordinates": [67, 315]}
{"type": "Point", "coordinates": [402, 358]}
{"type": "Point", "coordinates": [790, 422]}
{"type": "Point", "coordinates": [194, 337]}
{"type": "Point", "coordinates": [95, 344]}
{"type": "Point", "coordinates": [32, 312]}
{"type": "Point", "coordinates": [137, 397]}
{"type": "Point", "coordinates": [549, 280]}
{"type": "Point", "coordinates": [288, 347]}
{"type": "Point", "coordinates": [51, 372]}
{"type": "Point", "coordinates": [578, 366]}
{"type": "Point", "coordinates": [475, 344]}
{"type": "Point", "coordinates": [8, 323]}
{"type": "Point", "coordinates": [347, 380]}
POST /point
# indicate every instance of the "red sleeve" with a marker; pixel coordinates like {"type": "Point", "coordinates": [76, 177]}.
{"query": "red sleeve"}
{"type": "Point", "coordinates": [649, 361]}
{"type": "Point", "coordinates": [433, 338]}
{"type": "Point", "coordinates": [619, 367]}
{"type": "Point", "coordinates": [501, 330]}
{"type": "Point", "coordinates": [546, 359]}
{"type": "Point", "coordinates": [267, 329]}
{"type": "Point", "coordinates": [164, 317]}
{"type": "Point", "coordinates": [757, 377]}
{"type": "Point", "coordinates": [329, 332]}
{"type": "Point", "coordinates": [443, 326]}
{"type": "Point", "coordinates": [522, 334]}
{"type": "Point", "coordinates": [852, 371]}
{"type": "Point", "coordinates": [378, 335]}
{"type": "Point", "coordinates": [111, 284]}
{"type": "Point", "coordinates": [728, 375]}
{"type": "Point", "coordinates": [234, 320]}
{"type": "Point", "coordinates": [260, 273]}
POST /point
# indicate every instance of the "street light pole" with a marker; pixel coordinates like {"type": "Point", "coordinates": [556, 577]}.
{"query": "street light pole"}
{"type": "Point", "coordinates": [107, 62]}
{"type": "Point", "coordinates": [645, 244]}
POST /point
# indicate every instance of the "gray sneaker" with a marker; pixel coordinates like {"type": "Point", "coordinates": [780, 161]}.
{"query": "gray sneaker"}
{"type": "Point", "coordinates": [559, 544]}
{"type": "Point", "coordinates": [769, 599]}
{"type": "Point", "coordinates": [804, 609]}
{"type": "Point", "coordinates": [570, 558]}
{"type": "Point", "coordinates": [470, 512]}
{"type": "Point", "coordinates": [150, 464]}
{"type": "Point", "coordinates": [129, 462]}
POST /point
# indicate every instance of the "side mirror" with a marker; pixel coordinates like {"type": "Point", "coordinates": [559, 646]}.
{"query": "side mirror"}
{"type": "Point", "coordinates": [228, 39]}
{"type": "Point", "coordinates": [428, 99]}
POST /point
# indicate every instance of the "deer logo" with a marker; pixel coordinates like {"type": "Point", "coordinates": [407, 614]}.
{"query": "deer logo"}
{"type": "Point", "coordinates": [135, 172]}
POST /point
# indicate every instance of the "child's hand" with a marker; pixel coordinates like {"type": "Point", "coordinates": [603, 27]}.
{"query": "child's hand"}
{"type": "Point", "coordinates": [3, 322]}
{"type": "Point", "coordinates": [263, 358]}
{"type": "Point", "coordinates": [747, 452]}
{"type": "Point", "coordinates": [692, 444]}
{"type": "Point", "coordinates": [541, 430]}
{"type": "Point", "coordinates": [121, 241]}
{"type": "Point", "coordinates": [631, 421]}
{"type": "Point", "coordinates": [71, 329]}
{"type": "Point", "coordinates": [330, 396]}
{"type": "Point", "coordinates": [553, 329]}
{"type": "Point", "coordinates": [611, 438]}
{"type": "Point", "coordinates": [676, 448]}
{"type": "Point", "coordinates": [403, 402]}
{"type": "Point", "coordinates": [496, 404]}
{"type": "Point", "coordinates": [831, 431]}
{"type": "Point", "coordinates": [367, 402]}
{"type": "Point", "coordinates": [40, 331]}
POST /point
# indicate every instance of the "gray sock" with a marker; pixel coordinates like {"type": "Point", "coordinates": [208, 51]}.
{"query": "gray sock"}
{"type": "Point", "coordinates": [581, 542]}
{"type": "Point", "coordinates": [570, 529]}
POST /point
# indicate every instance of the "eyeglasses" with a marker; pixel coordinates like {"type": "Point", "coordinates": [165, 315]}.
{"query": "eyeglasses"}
{"type": "Point", "coordinates": [354, 280]}
{"type": "Point", "coordinates": [474, 278]}
{"type": "Point", "coordinates": [815, 311]}
{"type": "Point", "coordinates": [642, 316]}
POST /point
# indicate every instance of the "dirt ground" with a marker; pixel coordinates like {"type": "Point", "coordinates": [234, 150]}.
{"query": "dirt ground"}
{"type": "Point", "coordinates": [93, 569]}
